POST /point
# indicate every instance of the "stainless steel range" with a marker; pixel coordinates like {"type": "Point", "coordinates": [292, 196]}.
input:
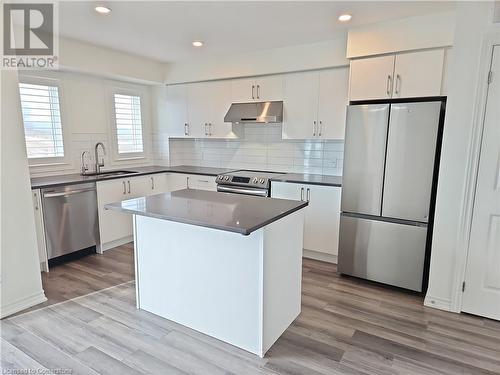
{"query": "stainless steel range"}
{"type": "Point", "coordinates": [246, 182]}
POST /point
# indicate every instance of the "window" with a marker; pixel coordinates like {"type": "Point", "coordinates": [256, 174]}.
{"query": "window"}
{"type": "Point", "coordinates": [128, 124]}
{"type": "Point", "coordinates": [42, 120]}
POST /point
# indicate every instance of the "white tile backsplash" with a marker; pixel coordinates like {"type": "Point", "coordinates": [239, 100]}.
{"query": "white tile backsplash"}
{"type": "Point", "coordinates": [260, 147]}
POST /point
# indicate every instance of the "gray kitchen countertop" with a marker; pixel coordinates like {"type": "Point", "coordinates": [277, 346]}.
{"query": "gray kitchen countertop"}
{"type": "Point", "coordinates": [237, 213]}
{"type": "Point", "coordinates": [75, 178]}
{"type": "Point", "coordinates": [313, 179]}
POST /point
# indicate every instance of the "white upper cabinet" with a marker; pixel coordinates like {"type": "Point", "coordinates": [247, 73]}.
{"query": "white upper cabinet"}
{"type": "Point", "coordinates": [300, 108]}
{"type": "Point", "coordinates": [418, 74]}
{"type": "Point", "coordinates": [208, 103]}
{"type": "Point", "coordinates": [315, 104]}
{"type": "Point", "coordinates": [257, 89]}
{"type": "Point", "coordinates": [403, 75]}
{"type": "Point", "coordinates": [372, 78]}
{"type": "Point", "coordinates": [177, 110]}
{"type": "Point", "coordinates": [332, 104]}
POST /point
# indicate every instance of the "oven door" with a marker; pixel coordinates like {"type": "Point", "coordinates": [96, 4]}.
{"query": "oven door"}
{"type": "Point", "coordinates": [243, 190]}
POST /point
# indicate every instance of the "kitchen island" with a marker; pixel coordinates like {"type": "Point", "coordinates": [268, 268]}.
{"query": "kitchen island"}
{"type": "Point", "coordinates": [226, 265]}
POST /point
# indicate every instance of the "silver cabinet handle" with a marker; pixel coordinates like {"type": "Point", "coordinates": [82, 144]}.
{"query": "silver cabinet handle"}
{"type": "Point", "coordinates": [320, 128]}
{"type": "Point", "coordinates": [253, 88]}
{"type": "Point", "coordinates": [308, 194]}
{"type": "Point", "coordinates": [389, 84]}
{"type": "Point", "coordinates": [124, 188]}
{"type": "Point", "coordinates": [206, 133]}
{"type": "Point", "coordinates": [187, 182]}
{"type": "Point", "coordinates": [210, 129]}
{"type": "Point", "coordinates": [152, 183]}
{"type": "Point", "coordinates": [302, 194]}
{"type": "Point", "coordinates": [258, 91]}
{"type": "Point", "coordinates": [314, 128]}
{"type": "Point", "coordinates": [186, 128]}
{"type": "Point", "coordinates": [128, 186]}
{"type": "Point", "coordinates": [398, 84]}
{"type": "Point", "coordinates": [36, 200]}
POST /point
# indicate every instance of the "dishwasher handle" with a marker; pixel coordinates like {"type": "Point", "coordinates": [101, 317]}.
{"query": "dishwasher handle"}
{"type": "Point", "coordinates": [67, 193]}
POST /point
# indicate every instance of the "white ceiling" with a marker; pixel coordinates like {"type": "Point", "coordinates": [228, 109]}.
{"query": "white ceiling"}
{"type": "Point", "coordinates": [164, 30]}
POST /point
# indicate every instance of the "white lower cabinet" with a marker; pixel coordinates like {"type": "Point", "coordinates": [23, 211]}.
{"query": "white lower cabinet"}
{"type": "Point", "coordinates": [115, 228]}
{"type": "Point", "coordinates": [179, 181]}
{"type": "Point", "coordinates": [40, 231]}
{"type": "Point", "coordinates": [322, 216]}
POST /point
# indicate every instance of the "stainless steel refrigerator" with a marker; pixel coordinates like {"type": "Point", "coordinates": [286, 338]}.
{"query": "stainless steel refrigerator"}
{"type": "Point", "coordinates": [390, 166]}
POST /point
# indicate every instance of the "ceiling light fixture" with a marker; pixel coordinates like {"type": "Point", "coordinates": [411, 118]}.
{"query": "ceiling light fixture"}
{"type": "Point", "coordinates": [197, 43]}
{"type": "Point", "coordinates": [345, 17]}
{"type": "Point", "coordinates": [101, 9]}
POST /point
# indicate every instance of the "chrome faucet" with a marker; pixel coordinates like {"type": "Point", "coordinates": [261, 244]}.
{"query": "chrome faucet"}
{"type": "Point", "coordinates": [98, 164]}
{"type": "Point", "coordinates": [85, 168]}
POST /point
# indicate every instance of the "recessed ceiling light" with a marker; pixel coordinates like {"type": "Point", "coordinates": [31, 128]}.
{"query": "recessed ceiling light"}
{"type": "Point", "coordinates": [197, 43]}
{"type": "Point", "coordinates": [102, 9]}
{"type": "Point", "coordinates": [345, 17]}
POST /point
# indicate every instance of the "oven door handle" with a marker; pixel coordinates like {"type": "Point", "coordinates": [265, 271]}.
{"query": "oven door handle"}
{"type": "Point", "coordinates": [242, 190]}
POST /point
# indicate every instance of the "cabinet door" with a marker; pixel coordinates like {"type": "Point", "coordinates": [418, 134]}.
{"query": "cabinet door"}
{"type": "Point", "coordinates": [220, 100]}
{"type": "Point", "coordinates": [199, 109]}
{"type": "Point", "coordinates": [40, 230]}
{"type": "Point", "coordinates": [159, 183]}
{"type": "Point", "coordinates": [300, 110]}
{"type": "Point", "coordinates": [269, 88]}
{"type": "Point", "coordinates": [322, 219]}
{"type": "Point", "coordinates": [177, 181]}
{"type": "Point", "coordinates": [371, 78]}
{"type": "Point", "coordinates": [113, 225]}
{"type": "Point", "coordinates": [177, 110]}
{"type": "Point", "coordinates": [333, 88]}
{"type": "Point", "coordinates": [287, 190]}
{"type": "Point", "coordinates": [201, 182]}
{"type": "Point", "coordinates": [243, 90]}
{"type": "Point", "coordinates": [418, 74]}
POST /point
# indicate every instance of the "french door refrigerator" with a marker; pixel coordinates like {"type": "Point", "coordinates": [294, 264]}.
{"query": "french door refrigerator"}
{"type": "Point", "coordinates": [390, 166]}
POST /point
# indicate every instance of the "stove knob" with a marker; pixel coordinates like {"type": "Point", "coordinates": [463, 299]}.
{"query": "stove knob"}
{"type": "Point", "coordinates": [255, 180]}
{"type": "Point", "coordinates": [261, 180]}
{"type": "Point", "coordinates": [226, 178]}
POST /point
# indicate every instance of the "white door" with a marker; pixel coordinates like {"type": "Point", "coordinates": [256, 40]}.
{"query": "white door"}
{"type": "Point", "coordinates": [159, 183]}
{"type": "Point", "coordinates": [371, 78]}
{"type": "Point", "coordinates": [269, 88]}
{"type": "Point", "coordinates": [243, 90]}
{"type": "Point", "coordinates": [482, 280]}
{"type": "Point", "coordinates": [199, 109]}
{"type": "Point", "coordinates": [418, 74]}
{"type": "Point", "coordinates": [177, 181]}
{"type": "Point", "coordinates": [322, 219]}
{"type": "Point", "coordinates": [177, 110]}
{"type": "Point", "coordinates": [113, 225]}
{"type": "Point", "coordinates": [201, 182]}
{"type": "Point", "coordinates": [300, 107]}
{"type": "Point", "coordinates": [219, 98]}
{"type": "Point", "coordinates": [333, 88]}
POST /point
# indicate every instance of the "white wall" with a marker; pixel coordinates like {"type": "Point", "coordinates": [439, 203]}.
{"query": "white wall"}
{"type": "Point", "coordinates": [278, 60]}
{"type": "Point", "coordinates": [261, 147]}
{"type": "Point", "coordinates": [474, 20]}
{"type": "Point", "coordinates": [21, 285]}
{"type": "Point", "coordinates": [87, 118]}
{"type": "Point", "coordinates": [429, 31]}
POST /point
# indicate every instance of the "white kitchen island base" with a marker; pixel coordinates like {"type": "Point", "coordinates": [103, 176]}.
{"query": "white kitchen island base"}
{"type": "Point", "coordinates": [244, 290]}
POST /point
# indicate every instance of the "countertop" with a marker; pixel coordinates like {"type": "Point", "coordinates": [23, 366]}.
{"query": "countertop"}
{"type": "Point", "coordinates": [75, 178]}
{"type": "Point", "coordinates": [313, 179]}
{"type": "Point", "coordinates": [237, 213]}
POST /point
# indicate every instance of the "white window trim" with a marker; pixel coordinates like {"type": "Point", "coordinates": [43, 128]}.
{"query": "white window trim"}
{"type": "Point", "coordinates": [138, 157]}
{"type": "Point", "coordinates": [63, 162]}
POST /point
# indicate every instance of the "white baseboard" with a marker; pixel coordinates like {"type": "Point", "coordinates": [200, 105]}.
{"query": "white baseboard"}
{"type": "Point", "coordinates": [23, 303]}
{"type": "Point", "coordinates": [109, 245]}
{"type": "Point", "coordinates": [438, 303]}
{"type": "Point", "coordinates": [316, 255]}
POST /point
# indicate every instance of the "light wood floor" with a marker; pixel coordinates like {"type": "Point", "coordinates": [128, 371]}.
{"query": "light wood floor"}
{"type": "Point", "coordinates": [347, 326]}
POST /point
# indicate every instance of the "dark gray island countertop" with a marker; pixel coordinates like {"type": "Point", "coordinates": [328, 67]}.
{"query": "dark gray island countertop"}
{"type": "Point", "coordinates": [313, 179]}
{"type": "Point", "coordinates": [237, 213]}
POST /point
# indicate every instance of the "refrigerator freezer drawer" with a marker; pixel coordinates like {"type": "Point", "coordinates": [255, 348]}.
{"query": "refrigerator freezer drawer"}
{"type": "Point", "coordinates": [385, 252]}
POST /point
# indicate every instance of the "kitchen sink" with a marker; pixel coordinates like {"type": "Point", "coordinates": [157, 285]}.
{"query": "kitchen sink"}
{"type": "Point", "coordinates": [110, 173]}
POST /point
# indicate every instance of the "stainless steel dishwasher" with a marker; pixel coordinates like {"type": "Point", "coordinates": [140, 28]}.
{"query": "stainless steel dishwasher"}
{"type": "Point", "coordinates": [70, 218]}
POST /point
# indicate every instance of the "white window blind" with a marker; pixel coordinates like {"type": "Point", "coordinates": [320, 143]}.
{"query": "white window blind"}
{"type": "Point", "coordinates": [128, 124]}
{"type": "Point", "coordinates": [42, 120]}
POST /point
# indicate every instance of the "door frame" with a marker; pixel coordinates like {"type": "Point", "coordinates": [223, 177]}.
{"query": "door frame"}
{"type": "Point", "coordinates": [490, 41]}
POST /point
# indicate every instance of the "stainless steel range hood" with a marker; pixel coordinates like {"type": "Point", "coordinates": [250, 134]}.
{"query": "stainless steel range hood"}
{"type": "Point", "coordinates": [260, 112]}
